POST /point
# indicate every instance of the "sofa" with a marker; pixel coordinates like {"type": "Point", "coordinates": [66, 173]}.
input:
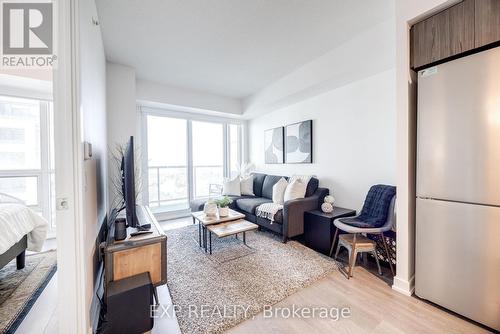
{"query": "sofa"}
{"type": "Point", "coordinates": [288, 222]}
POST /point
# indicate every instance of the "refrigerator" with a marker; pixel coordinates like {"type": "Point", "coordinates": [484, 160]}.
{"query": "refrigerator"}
{"type": "Point", "coordinates": [457, 254]}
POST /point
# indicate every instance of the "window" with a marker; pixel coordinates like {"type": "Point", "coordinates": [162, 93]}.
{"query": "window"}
{"type": "Point", "coordinates": [234, 150]}
{"type": "Point", "coordinates": [184, 156]}
{"type": "Point", "coordinates": [22, 187]}
{"type": "Point", "coordinates": [20, 139]}
{"type": "Point", "coordinates": [26, 155]}
{"type": "Point", "coordinates": [208, 156]}
{"type": "Point", "coordinates": [167, 162]}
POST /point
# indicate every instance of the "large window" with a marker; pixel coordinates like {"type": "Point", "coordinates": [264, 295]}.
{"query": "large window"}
{"type": "Point", "coordinates": [208, 156]}
{"type": "Point", "coordinates": [167, 162]}
{"type": "Point", "coordinates": [185, 155]}
{"type": "Point", "coordinates": [26, 155]}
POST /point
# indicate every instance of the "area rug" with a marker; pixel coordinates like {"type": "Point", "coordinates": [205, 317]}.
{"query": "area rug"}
{"type": "Point", "coordinates": [19, 289]}
{"type": "Point", "coordinates": [212, 293]}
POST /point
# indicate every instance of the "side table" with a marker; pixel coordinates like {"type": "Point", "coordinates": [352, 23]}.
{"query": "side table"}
{"type": "Point", "coordinates": [319, 229]}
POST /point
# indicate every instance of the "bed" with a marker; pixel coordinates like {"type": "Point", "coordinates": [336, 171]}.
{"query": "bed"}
{"type": "Point", "coordinates": [21, 229]}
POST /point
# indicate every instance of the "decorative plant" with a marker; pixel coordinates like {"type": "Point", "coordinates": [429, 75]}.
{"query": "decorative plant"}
{"type": "Point", "coordinates": [116, 188]}
{"type": "Point", "coordinates": [245, 168]}
{"type": "Point", "coordinates": [224, 202]}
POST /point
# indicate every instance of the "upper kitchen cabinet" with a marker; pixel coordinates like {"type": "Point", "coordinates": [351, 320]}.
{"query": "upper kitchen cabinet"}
{"type": "Point", "coordinates": [443, 35]}
{"type": "Point", "coordinates": [487, 22]}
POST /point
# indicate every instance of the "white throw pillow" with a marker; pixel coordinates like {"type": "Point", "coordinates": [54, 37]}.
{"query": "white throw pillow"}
{"type": "Point", "coordinates": [296, 189]}
{"type": "Point", "coordinates": [279, 191]}
{"type": "Point", "coordinates": [231, 187]}
{"type": "Point", "coordinates": [304, 178]}
{"type": "Point", "coordinates": [246, 185]}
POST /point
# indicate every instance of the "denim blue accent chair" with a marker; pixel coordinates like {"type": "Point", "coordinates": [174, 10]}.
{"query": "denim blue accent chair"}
{"type": "Point", "coordinates": [376, 217]}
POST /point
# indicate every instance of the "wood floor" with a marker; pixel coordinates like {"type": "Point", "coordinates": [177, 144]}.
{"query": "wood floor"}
{"type": "Point", "coordinates": [374, 308]}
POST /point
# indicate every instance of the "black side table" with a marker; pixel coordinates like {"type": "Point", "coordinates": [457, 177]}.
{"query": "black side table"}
{"type": "Point", "coordinates": [319, 229]}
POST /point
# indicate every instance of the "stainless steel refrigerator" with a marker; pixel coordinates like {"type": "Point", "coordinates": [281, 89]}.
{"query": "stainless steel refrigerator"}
{"type": "Point", "coordinates": [458, 187]}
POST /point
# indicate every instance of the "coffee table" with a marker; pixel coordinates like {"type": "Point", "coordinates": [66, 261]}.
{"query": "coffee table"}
{"type": "Point", "coordinates": [204, 221]}
{"type": "Point", "coordinates": [230, 228]}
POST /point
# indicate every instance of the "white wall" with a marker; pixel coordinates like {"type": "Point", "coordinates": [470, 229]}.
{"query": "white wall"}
{"type": "Point", "coordinates": [123, 119]}
{"type": "Point", "coordinates": [351, 99]}
{"type": "Point", "coordinates": [353, 137]}
{"type": "Point", "coordinates": [120, 83]}
{"type": "Point", "coordinates": [407, 12]}
{"type": "Point", "coordinates": [92, 103]}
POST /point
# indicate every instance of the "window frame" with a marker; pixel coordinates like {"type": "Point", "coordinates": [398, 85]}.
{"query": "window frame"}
{"type": "Point", "coordinates": [146, 111]}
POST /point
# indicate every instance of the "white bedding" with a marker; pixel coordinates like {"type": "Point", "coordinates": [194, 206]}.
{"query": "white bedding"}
{"type": "Point", "coordinates": [16, 220]}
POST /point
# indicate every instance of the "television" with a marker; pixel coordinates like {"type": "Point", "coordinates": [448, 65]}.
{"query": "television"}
{"type": "Point", "coordinates": [128, 187]}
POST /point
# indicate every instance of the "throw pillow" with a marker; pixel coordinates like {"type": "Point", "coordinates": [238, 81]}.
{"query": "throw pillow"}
{"type": "Point", "coordinates": [296, 189]}
{"type": "Point", "coordinates": [304, 178]}
{"type": "Point", "coordinates": [246, 185]}
{"type": "Point", "coordinates": [231, 187]}
{"type": "Point", "coordinates": [279, 189]}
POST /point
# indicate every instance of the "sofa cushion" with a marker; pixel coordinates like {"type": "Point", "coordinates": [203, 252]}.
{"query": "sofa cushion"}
{"type": "Point", "coordinates": [258, 181]}
{"type": "Point", "coordinates": [250, 204]}
{"type": "Point", "coordinates": [246, 186]}
{"type": "Point", "coordinates": [312, 186]}
{"type": "Point", "coordinates": [269, 182]}
{"type": "Point", "coordinates": [231, 187]}
{"type": "Point", "coordinates": [279, 189]}
{"type": "Point", "coordinates": [295, 190]}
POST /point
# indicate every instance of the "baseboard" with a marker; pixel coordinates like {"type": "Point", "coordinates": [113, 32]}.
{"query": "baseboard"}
{"type": "Point", "coordinates": [403, 286]}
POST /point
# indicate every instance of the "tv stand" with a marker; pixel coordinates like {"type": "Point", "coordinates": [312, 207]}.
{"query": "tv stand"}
{"type": "Point", "coordinates": [137, 254]}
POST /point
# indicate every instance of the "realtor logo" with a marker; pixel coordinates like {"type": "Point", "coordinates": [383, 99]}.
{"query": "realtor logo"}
{"type": "Point", "coordinates": [27, 34]}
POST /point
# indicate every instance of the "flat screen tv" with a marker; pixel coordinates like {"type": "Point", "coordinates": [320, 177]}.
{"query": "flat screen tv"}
{"type": "Point", "coordinates": [128, 187]}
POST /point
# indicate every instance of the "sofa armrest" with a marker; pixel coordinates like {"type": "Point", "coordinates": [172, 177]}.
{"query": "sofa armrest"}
{"type": "Point", "coordinates": [293, 212]}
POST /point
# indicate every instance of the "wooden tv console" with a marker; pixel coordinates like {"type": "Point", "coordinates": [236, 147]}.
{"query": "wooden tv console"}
{"type": "Point", "coordinates": [139, 254]}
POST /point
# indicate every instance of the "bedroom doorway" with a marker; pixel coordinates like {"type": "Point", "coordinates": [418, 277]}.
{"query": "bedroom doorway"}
{"type": "Point", "coordinates": [27, 150]}
{"type": "Point", "coordinates": [27, 199]}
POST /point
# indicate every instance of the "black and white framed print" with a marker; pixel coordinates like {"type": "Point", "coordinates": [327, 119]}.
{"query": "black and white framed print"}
{"type": "Point", "coordinates": [298, 143]}
{"type": "Point", "coordinates": [273, 143]}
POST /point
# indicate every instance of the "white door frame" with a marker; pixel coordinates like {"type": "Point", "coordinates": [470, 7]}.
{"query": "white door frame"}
{"type": "Point", "coordinates": [68, 174]}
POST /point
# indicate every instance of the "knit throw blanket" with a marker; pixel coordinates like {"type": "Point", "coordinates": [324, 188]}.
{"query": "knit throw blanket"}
{"type": "Point", "coordinates": [376, 207]}
{"type": "Point", "coordinates": [268, 210]}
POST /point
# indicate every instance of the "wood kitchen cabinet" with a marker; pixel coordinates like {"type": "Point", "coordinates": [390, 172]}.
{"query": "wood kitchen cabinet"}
{"type": "Point", "coordinates": [487, 22]}
{"type": "Point", "coordinates": [443, 35]}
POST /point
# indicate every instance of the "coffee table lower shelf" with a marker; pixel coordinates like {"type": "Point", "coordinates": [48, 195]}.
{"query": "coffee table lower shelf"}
{"type": "Point", "coordinates": [228, 229]}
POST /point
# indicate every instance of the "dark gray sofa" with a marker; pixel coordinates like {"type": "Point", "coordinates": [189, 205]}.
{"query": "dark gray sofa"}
{"type": "Point", "coordinates": [288, 222]}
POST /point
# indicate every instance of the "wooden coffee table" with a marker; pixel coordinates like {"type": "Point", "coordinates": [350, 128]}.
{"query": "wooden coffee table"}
{"type": "Point", "coordinates": [230, 228]}
{"type": "Point", "coordinates": [204, 221]}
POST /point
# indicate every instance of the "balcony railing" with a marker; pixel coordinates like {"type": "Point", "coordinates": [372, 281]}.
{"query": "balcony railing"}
{"type": "Point", "coordinates": [169, 185]}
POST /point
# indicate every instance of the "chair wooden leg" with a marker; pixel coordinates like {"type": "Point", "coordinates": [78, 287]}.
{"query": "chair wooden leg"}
{"type": "Point", "coordinates": [333, 241]}
{"type": "Point", "coordinates": [352, 260]}
{"type": "Point", "coordinates": [387, 253]}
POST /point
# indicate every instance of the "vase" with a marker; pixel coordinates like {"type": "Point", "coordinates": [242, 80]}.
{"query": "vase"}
{"type": "Point", "coordinates": [326, 207]}
{"type": "Point", "coordinates": [224, 212]}
{"type": "Point", "coordinates": [210, 209]}
{"type": "Point", "coordinates": [329, 199]}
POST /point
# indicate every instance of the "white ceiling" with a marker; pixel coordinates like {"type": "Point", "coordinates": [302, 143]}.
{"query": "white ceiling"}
{"type": "Point", "coordinates": [230, 48]}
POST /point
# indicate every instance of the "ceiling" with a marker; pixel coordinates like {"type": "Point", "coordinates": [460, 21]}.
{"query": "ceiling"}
{"type": "Point", "coordinates": [231, 48]}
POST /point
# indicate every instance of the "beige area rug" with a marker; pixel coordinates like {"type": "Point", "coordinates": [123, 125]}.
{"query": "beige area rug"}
{"type": "Point", "coordinates": [19, 289]}
{"type": "Point", "coordinates": [213, 293]}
